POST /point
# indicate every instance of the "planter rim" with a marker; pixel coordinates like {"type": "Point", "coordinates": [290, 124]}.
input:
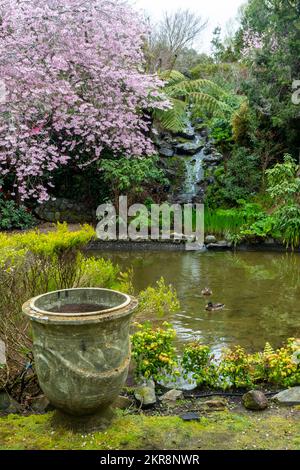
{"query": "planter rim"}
{"type": "Point", "coordinates": [79, 314]}
{"type": "Point", "coordinates": [45, 316]}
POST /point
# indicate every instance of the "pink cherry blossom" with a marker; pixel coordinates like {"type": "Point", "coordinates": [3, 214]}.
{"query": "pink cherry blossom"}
{"type": "Point", "coordinates": [76, 85]}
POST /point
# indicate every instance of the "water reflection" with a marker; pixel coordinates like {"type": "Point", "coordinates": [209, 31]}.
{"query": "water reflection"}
{"type": "Point", "coordinates": [261, 292]}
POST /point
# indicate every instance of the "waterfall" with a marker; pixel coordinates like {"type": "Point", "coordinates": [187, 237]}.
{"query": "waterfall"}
{"type": "Point", "coordinates": [190, 150]}
{"type": "Point", "coordinates": [194, 174]}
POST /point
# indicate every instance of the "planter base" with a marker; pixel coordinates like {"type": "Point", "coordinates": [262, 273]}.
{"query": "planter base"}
{"type": "Point", "coordinates": [96, 422]}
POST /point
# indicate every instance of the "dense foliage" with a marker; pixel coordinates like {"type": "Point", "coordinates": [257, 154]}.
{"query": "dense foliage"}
{"type": "Point", "coordinates": [154, 354]}
{"type": "Point", "coordinates": [14, 217]}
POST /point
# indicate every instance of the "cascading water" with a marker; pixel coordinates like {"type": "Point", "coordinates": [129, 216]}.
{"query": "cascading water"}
{"type": "Point", "coordinates": [183, 156]}
{"type": "Point", "coordinates": [193, 176]}
{"type": "Point", "coordinates": [190, 190]}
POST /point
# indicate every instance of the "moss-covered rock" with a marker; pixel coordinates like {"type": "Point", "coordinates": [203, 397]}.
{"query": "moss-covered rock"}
{"type": "Point", "coordinates": [255, 400]}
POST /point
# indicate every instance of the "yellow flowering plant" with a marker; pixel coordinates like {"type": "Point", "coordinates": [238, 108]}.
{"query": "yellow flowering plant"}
{"type": "Point", "coordinates": [153, 350]}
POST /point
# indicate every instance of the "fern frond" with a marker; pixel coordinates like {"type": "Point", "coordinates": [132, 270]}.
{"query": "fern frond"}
{"type": "Point", "coordinates": [195, 86]}
{"type": "Point", "coordinates": [173, 119]}
{"type": "Point", "coordinates": [207, 101]}
{"type": "Point", "coordinates": [268, 350]}
{"type": "Point", "coordinates": [171, 77]}
{"type": "Point", "coordinates": [201, 93]}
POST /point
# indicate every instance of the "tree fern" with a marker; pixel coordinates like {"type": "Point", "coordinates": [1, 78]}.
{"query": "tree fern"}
{"type": "Point", "coordinates": [194, 86]}
{"type": "Point", "coordinates": [201, 94]}
{"type": "Point", "coordinates": [173, 119]}
{"type": "Point", "coordinates": [172, 76]}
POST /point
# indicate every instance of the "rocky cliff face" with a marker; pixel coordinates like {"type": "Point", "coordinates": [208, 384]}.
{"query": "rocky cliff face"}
{"type": "Point", "coordinates": [185, 156]}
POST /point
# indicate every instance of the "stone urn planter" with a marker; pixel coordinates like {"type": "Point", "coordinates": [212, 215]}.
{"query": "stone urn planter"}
{"type": "Point", "coordinates": [81, 346]}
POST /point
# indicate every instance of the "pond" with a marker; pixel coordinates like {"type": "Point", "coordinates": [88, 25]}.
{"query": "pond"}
{"type": "Point", "coordinates": [261, 293]}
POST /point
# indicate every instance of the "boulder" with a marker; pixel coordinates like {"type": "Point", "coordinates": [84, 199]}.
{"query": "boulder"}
{"type": "Point", "coordinates": [207, 150]}
{"type": "Point", "coordinates": [188, 133]}
{"type": "Point", "coordinates": [255, 400]}
{"type": "Point", "coordinates": [189, 148]}
{"type": "Point", "coordinates": [123, 403]}
{"type": "Point", "coordinates": [41, 404]}
{"type": "Point", "coordinates": [213, 158]}
{"type": "Point", "coordinates": [145, 394]}
{"type": "Point", "coordinates": [210, 239]}
{"type": "Point", "coordinates": [8, 404]}
{"type": "Point", "coordinates": [166, 151]}
{"type": "Point", "coordinates": [172, 396]}
{"type": "Point", "coordinates": [291, 396]}
{"type": "Point", "coordinates": [219, 246]}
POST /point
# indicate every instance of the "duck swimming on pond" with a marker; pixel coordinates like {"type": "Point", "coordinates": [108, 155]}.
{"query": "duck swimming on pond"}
{"type": "Point", "coordinates": [214, 307]}
{"type": "Point", "coordinates": [206, 291]}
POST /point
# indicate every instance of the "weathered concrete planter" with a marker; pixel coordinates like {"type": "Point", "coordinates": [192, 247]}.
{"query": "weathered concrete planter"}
{"type": "Point", "coordinates": [81, 346]}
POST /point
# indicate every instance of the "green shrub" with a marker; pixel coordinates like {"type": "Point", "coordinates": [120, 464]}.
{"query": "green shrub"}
{"type": "Point", "coordinates": [238, 369]}
{"type": "Point", "coordinates": [198, 360]}
{"type": "Point", "coordinates": [155, 355]}
{"type": "Point", "coordinates": [134, 175]}
{"type": "Point", "coordinates": [158, 300]}
{"type": "Point", "coordinates": [241, 181]}
{"type": "Point", "coordinates": [235, 370]}
{"type": "Point", "coordinates": [153, 351]}
{"type": "Point", "coordinates": [283, 365]}
{"type": "Point", "coordinates": [15, 217]}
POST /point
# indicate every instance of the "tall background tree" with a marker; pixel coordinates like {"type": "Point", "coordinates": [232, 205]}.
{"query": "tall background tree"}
{"type": "Point", "coordinates": [172, 38]}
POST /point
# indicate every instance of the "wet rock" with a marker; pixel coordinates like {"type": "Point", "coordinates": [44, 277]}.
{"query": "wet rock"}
{"type": "Point", "coordinates": [145, 394]}
{"type": "Point", "coordinates": [220, 246]}
{"type": "Point", "coordinates": [207, 151]}
{"type": "Point", "coordinates": [291, 396]}
{"type": "Point", "coordinates": [210, 239]}
{"type": "Point", "coordinates": [41, 405]}
{"type": "Point", "coordinates": [2, 353]}
{"type": "Point", "coordinates": [172, 396]}
{"type": "Point", "coordinates": [123, 403]}
{"type": "Point", "coordinates": [255, 400]}
{"type": "Point", "coordinates": [186, 133]}
{"type": "Point", "coordinates": [8, 404]}
{"type": "Point", "coordinates": [189, 148]}
{"type": "Point", "coordinates": [213, 158]}
{"type": "Point", "coordinates": [166, 151]}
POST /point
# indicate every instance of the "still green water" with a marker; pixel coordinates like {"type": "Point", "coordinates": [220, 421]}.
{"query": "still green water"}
{"type": "Point", "coordinates": [261, 292]}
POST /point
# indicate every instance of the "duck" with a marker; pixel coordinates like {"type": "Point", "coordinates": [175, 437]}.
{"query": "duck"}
{"type": "Point", "coordinates": [206, 291]}
{"type": "Point", "coordinates": [214, 307]}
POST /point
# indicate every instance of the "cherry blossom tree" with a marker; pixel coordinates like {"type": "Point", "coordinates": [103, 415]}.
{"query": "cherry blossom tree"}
{"type": "Point", "coordinates": [75, 86]}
